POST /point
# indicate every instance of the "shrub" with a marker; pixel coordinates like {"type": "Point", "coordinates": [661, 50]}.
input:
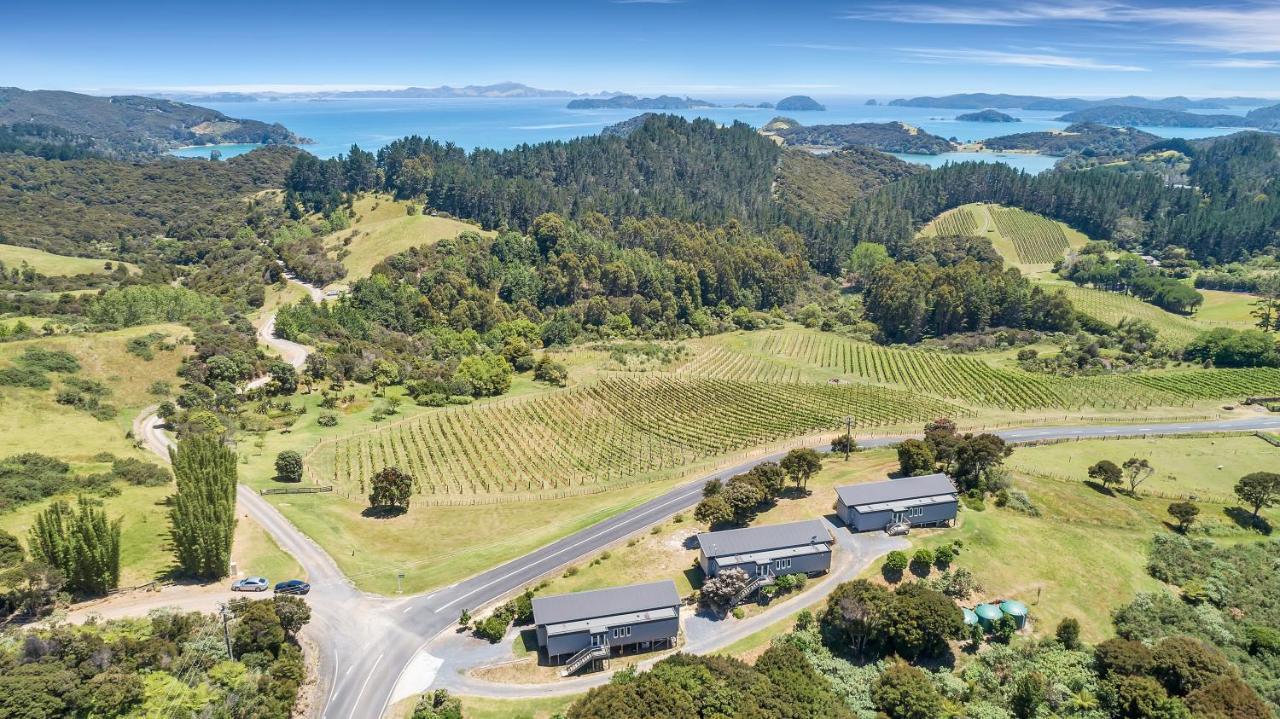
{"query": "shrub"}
{"type": "Point", "coordinates": [922, 558]}
{"type": "Point", "coordinates": [1068, 633]}
{"type": "Point", "coordinates": [896, 561]}
{"type": "Point", "coordinates": [142, 474]}
{"type": "Point", "coordinates": [738, 613]}
{"type": "Point", "coordinates": [493, 628]}
{"type": "Point", "coordinates": [943, 556]}
{"type": "Point", "coordinates": [327, 420]}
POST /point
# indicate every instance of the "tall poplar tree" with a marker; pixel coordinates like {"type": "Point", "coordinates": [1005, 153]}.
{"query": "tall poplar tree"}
{"type": "Point", "coordinates": [81, 543]}
{"type": "Point", "coordinates": [203, 512]}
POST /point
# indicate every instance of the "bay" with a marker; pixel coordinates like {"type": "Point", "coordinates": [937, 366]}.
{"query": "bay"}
{"type": "Point", "coordinates": [335, 125]}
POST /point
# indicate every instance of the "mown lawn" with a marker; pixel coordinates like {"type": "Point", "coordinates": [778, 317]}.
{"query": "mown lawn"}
{"type": "Point", "coordinates": [1201, 466]}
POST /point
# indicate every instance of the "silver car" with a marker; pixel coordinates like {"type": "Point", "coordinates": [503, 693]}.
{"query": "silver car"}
{"type": "Point", "coordinates": [250, 584]}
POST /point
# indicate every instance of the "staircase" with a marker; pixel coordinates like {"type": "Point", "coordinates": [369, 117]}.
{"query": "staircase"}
{"type": "Point", "coordinates": [760, 581]}
{"type": "Point", "coordinates": [894, 529]}
{"type": "Point", "coordinates": [584, 656]}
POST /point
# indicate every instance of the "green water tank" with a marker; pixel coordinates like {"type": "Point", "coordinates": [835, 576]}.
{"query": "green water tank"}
{"type": "Point", "coordinates": [1015, 609]}
{"type": "Point", "coordinates": [988, 615]}
{"type": "Point", "coordinates": [969, 617]}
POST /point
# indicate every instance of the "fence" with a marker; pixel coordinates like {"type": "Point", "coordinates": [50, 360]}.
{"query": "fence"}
{"type": "Point", "coordinates": [296, 490]}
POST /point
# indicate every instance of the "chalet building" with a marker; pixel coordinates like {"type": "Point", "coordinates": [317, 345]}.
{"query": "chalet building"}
{"type": "Point", "coordinates": [926, 501]}
{"type": "Point", "coordinates": [768, 551]}
{"type": "Point", "coordinates": [589, 627]}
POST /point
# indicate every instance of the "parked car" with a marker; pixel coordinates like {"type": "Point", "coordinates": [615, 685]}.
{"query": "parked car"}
{"type": "Point", "coordinates": [293, 586]}
{"type": "Point", "coordinates": [250, 584]}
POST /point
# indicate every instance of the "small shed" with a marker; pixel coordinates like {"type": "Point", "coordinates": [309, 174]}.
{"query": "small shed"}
{"type": "Point", "coordinates": [988, 615]}
{"type": "Point", "coordinates": [1015, 609]}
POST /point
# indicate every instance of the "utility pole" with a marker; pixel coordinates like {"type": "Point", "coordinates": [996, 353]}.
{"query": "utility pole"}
{"type": "Point", "coordinates": [226, 633]}
{"type": "Point", "coordinates": [848, 433]}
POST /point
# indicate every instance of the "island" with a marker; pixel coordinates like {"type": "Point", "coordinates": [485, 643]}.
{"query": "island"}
{"type": "Point", "coordinates": [1090, 138]}
{"type": "Point", "coordinates": [631, 102]}
{"type": "Point", "coordinates": [1152, 117]}
{"type": "Point", "coordinates": [872, 102]}
{"type": "Point", "coordinates": [801, 103]}
{"type": "Point", "coordinates": [980, 100]}
{"type": "Point", "coordinates": [131, 125]}
{"type": "Point", "coordinates": [882, 136]}
{"type": "Point", "coordinates": [987, 116]}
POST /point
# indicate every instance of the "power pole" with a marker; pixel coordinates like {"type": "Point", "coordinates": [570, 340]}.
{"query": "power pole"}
{"type": "Point", "coordinates": [226, 633]}
{"type": "Point", "coordinates": [848, 433]}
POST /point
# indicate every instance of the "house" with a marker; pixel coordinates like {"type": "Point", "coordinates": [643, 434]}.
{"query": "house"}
{"type": "Point", "coordinates": [574, 629]}
{"type": "Point", "coordinates": [926, 501]}
{"type": "Point", "coordinates": [771, 550]}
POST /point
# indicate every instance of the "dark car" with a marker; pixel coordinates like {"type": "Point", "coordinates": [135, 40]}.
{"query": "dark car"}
{"type": "Point", "coordinates": [293, 586]}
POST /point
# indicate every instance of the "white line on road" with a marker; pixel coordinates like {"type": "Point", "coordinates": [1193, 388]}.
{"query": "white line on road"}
{"type": "Point", "coordinates": [607, 530]}
{"type": "Point", "coordinates": [356, 704]}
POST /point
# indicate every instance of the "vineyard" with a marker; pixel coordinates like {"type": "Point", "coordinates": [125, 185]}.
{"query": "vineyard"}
{"type": "Point", "coordinates": [959, 221]}
{"type": "Point", "coordinates": [974, 381]}
{"type": "Point", "coordinates": [1111, 307]}
{"type": "Point", "coordinates": [607, 433]}
{"type": "Point", "coordinates": [1036, 239]}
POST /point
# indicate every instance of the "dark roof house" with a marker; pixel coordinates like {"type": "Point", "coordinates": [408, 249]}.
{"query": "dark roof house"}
{"type": "Point", "coordinates": [928, 500]}
{"type": "Point", "coordinates": [584, 626]}
{"type": "Point", "coordinates": [771, 549]}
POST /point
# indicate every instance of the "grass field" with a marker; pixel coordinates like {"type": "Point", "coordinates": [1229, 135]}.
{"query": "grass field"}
{"type": "Point", "coordinates": [47, 263]}
{"type": "Point", "coordinates": [1025, 240]}
{"type": "Point", "coordinates": [1185, 466]}
{"type": "Point", "coordinates": [381, 227]}
{"type": "Point", "coordinates": [1232, 309]}
{"type": "Point", "coordinates": [31, 421]}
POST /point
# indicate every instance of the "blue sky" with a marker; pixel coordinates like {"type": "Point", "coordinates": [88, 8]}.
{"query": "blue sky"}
{"type": "Point", "coordinates": [714, 48]}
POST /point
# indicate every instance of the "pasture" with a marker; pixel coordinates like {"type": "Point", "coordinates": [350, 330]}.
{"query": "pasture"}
{"type": "Point", "coordinates": [47, 263]}
{"type": "Point", "coordinates": [381, 226]}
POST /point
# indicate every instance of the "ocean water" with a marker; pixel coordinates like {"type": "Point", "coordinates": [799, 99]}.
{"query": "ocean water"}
{"type": "Point", "coordinates": [335, 125]}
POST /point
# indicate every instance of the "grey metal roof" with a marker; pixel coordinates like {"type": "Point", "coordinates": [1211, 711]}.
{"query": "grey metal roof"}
{"type": "Point", "coordinates": [630, 599]}
{"type": "Point", "coordinates": [896, 490]}
{"type": "Point", "coordinates": [764, 538]}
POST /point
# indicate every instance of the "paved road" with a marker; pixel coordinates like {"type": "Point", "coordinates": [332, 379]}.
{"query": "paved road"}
{"type": "Point", "coordinates": [367, 642]}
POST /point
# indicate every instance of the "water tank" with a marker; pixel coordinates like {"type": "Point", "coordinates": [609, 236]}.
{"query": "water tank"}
{"type": "Point", "coordinates": [1015, 609]}
{"type": "Point", "coordinates": [988, 615]}
{"type": "Point", "coordinates": [969, 617]}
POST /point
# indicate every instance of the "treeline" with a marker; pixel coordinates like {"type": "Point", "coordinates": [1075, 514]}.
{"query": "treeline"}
{"type": "Point", "coordinates": [81, 206]}
{"type": "Point", "coordinates": [668, 166]}
{"type": "Point", "coordinates": [427, 307]}
{"type": "Point", "coordinates": [957, 284]}
{"type": "Point", "coordinates": [170, 663]}
{"type": "Point", "coordinates": [1130, 274]}
{"type": "Point", "coordinates": [1226, 219]}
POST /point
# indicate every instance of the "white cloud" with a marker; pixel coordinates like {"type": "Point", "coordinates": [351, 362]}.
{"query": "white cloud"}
{"type": "Point", "coordinates": [1239, 63]}
{"type": "Point", "coordinates": [1246, 27]}
{"type": "Point", "coordinates": [1021, 59]}
{"type": "Point", "coordinates": [1026, 14]}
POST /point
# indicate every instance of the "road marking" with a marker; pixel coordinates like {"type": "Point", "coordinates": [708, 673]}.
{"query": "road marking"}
{"type": "Point", "coordinates": [681, 498]}
{"type": "Point", "coordinates": [406, 609]}
{"type": "Point", "coordinates": [356, 704]}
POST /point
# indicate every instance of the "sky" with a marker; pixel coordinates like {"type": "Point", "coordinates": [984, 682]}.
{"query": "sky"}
{"type": "Point", "coordinates": [709, 48]}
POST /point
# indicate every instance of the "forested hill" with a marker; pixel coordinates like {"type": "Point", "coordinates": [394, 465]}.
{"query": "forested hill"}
{"type": "Point", "coordinates": [883, 136]}
{"type": "Point", "coordinates": [1152, 117]}
{"type": "Point", "coordinates": [662, 165]}
{"type": "Point", "coordinates": [1082, 137]}
{"type": "Point", "coordinates": [128, 125]}
{"type": "Point", "coordinates": [118, 209]}
{"type": "Point", "coordinates": [1232, 209]}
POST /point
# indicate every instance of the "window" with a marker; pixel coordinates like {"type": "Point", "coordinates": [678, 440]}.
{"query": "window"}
{"type": "Point", "coordinates": [780, 564]}
{"type": "Point", "coordinates": [917, 512]}
{"type": "Point", "coordinates": [621, 632]}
